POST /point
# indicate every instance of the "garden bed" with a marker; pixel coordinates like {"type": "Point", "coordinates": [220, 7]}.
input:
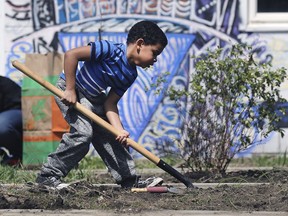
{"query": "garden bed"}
{"type": "Point", "coordinates": [269, 194]}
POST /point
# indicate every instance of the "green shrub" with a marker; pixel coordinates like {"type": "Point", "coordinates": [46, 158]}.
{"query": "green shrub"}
{"type": "Point", "coordinates": [231, 105]}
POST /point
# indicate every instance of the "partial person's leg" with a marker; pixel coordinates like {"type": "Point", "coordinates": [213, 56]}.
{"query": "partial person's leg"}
{"type": "Point", "coordinates": [11, 132]}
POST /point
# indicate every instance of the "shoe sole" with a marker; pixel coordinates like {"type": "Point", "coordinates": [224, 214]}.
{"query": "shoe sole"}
{"type": "Point", "coordinates": [156, 182]}
{"type": "Point", "coordinates": [66, 185]}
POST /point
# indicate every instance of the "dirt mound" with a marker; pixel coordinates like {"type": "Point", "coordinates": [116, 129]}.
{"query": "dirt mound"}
{"type": "Point", "coordinates": [271, 194]}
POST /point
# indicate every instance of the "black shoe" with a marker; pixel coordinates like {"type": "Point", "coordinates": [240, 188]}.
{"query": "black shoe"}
{"type": "Point", "coordinates": [50, 181]}
{"type": "Point", "coordinates": [129, 182]}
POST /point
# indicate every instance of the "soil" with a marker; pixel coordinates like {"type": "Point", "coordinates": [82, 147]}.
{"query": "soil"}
{"type": "Point", "coordinates": [269, 194]}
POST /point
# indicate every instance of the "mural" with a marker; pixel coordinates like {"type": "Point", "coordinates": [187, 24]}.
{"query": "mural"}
{"type": "Point", "coordinates": [192, 26]}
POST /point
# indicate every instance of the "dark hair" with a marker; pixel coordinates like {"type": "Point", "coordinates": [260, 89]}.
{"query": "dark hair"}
{"type": "Point", "coordinates": [149, 31]}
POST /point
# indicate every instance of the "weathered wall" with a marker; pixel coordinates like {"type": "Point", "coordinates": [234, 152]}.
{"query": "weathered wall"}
{"type": "Point", "coordinates": [192, 26]}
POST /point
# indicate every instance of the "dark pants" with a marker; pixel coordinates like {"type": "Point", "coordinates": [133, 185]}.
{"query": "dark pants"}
{"type": "Point", "coordinates": [11, 132]}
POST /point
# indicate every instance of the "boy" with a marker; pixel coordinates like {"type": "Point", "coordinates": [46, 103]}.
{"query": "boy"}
{"type": "Point", "coordinates": [103, 65]}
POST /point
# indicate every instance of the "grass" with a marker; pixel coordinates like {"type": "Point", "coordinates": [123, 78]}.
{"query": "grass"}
{"type": "Point", "coordinates": [262, 161]}
{"type": "Point", "coordinates": [15, 175]}
{"type": "Point", "coordinates": [21, 174]}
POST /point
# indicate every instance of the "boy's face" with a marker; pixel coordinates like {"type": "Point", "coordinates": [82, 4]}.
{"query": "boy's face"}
{"type": "Point", "coordinates": [147, 54]}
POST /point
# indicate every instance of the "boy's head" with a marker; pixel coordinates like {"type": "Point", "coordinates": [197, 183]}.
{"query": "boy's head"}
{"type": "Point", "coordinates": [145, 42]}
{"type": "Point", "coordinates": [149, 32]}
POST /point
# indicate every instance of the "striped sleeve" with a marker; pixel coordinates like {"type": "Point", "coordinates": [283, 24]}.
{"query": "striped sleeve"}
{"type": "Point", "coordinates": [100, 50]}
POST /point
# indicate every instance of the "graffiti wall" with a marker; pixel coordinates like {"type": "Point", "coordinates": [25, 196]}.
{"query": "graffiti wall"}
{"type": "Point", "coordinates": [192, 26]}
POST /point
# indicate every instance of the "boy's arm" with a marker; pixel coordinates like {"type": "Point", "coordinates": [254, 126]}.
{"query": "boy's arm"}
{"type": "Point", "coordinates": [112, 114]}
{"type": "Point", "coordinates": [71, 59]}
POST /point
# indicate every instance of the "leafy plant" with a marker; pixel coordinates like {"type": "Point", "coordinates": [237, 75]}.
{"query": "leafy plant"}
{"type": "Point", "coordinates": [231, 105]}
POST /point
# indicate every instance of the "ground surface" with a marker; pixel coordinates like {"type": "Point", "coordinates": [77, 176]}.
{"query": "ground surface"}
{"type": "Point", "coordinates": [269, 194]}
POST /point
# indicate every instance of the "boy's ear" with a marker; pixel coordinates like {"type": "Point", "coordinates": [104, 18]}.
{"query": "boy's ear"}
{"type": "Point", "coordinates": [140, 42]}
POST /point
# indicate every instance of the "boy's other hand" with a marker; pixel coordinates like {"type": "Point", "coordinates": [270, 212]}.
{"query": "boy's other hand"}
{"type": "Point", "coordinates": [122, 138]}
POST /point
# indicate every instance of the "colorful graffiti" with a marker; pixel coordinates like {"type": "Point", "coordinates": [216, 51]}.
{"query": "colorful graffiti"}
{"type": "Point", "coordinates": [41, 26]}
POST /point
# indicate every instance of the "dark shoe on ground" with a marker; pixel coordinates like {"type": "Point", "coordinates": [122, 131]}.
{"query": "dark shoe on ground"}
{"type": "Point", "coordinates": [49, 181]}
{"type": "Point", "coordinates": [129, 182]}
{"type": "Point", "coordinates": [53, 182]}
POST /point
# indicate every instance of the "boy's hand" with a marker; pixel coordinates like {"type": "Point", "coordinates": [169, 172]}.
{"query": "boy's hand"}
{"type": "Point", "coordinates": [122, 138]}
{"type": "Point", "coordinates": [69, 97]}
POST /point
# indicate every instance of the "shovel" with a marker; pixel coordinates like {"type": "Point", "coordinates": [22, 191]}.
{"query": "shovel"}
{"type": "Point", "coordinates": [159, 189]}
{"type": "Point", "coordinates": [160, 163]}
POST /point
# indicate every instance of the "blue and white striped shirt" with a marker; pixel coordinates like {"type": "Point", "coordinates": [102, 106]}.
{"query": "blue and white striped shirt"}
{"type": "Point", "coordinates": [108, 67]}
